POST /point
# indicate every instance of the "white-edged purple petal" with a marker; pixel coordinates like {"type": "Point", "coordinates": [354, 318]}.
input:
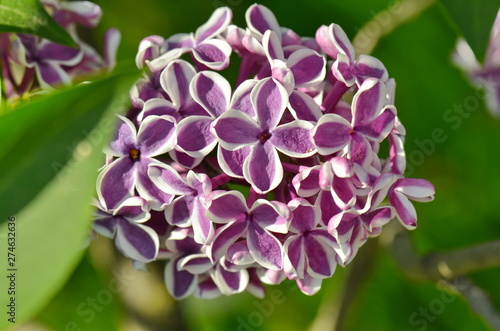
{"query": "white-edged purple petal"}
{"type": "Point", "coordinates": [260, 19]}
{"type": "Point", "coordinates": [320, 258]}
{"type": "Point", "coordinates": [360, 150]}
{"type": "Point", "coordinates": [194, 136]}
{"type": "Point", "coordinates": [180, 283]}
{"type": "Point", "coordinates": [149, 49]}
{"type": "Point", "coordinates": [179, 211]}
{"type": "Point", "coordinates": [307, 66]}
{"type": "Point", "coordinates": [341, 41]}
{"type": "Point", "coordinates": [241, 97]}
{"type": "Point", "coordinates": [331, 134]}
{"type": "Point", "coordinates": [368, 101]}
{"type": "Point", "coordinates": [58, 54]}
{"type": "Point", "coordinates": [213, 53]}
{"type": "Point", "coordinates": [156, 135]}
{"type": "Point", "coordinates": [294, 263]}
{"type": "Point", "coordinates": [238, 254]}
{"type": "Point", "coordinates": [158, 107]}
{"type": "Point", "coordinates": [230, 282]}
{"type": "Point", "coordinates": [116, 182]}
{"type": "Point", "coordinates": [231, 162]}
{"type": "Point", "coordinates": [168, 179]}
{"type": "Point", "coordinates": [202, 226]}
{"type": "Point", "coordinates": [269, 99]}
{"type": "Point", "coordinates": [175, 80]}
{"type": "Point", "coordinates": [416, 189]}
{"type": "Point", "coordinates": [377, 218]}
{"type": "Point", "coordinates": [50, 75]}
{"type": "Point", "coordinates": [272, 46]}
{"type": "Point", "coordinates": [303, 107]}
{"type": "Point", "coordinates": [309, 285]}
{"type": "Point", "coordinates": [404, 208]}
{"type": "Point", "coordinates": [163, 60]}
{"type": "Point", "coordinates": [133, 209]}
{"type": "Point", "coordinates": [294, 139]}
{"type": "Point", "coordinates": [343, 192]}
{"type": "Point", "coordinates": [211, 91]}
{"type": "Point", "coordinates": [367, 66]}
{"type": "Point", "coordinates": [324, 38]}
{"type": "Point", "coordinates": [184, 160]}
{"type": "Point", "coordinates": [226, 206]}
{"type": "Point", "coordinates": [139, 242]}
{"type": "Point", "coordinates": [195, 263]}
{"type": "Point", "coordinates": [235, 130]}
{"type": "Point", "coordinates": [273, 216]}
{"type": "Point", "coordinates": [265, 248]}
{"type": "Point", "coordinates": [156, 198]}
{"type": "Point", "coordinates": [381, 126]}
{"type": "Point", "coordinates": [216, 24]}
{"type": "Point", "coordinates": [124, 138]}
{"type": "Point", "coordinates": [306, 182]}
{"type": "Point", "coordinates": [263, 168]}
{"type": "Point", "coordinates": [110, 45]}
{"type": "Point", "coordinates": [225, 237]}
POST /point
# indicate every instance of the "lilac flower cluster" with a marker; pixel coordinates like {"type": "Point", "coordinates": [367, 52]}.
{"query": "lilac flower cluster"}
{"type": "Point", "coordinates": [486, 75]}
{"type": "Point", "coordinates": [30, 63]}
{"type": "Point", "coordinates": [299, 132]}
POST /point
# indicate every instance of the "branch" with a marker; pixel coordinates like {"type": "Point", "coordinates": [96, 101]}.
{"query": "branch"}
{"type": "Point", "coordinates": [440, 265]}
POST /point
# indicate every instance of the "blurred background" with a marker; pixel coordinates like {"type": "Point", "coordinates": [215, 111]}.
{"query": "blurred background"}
{"type": "Point", "coordinates": [452, 141]}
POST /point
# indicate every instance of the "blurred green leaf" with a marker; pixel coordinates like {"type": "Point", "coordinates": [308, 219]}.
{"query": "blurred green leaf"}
{"type": "Point", "coordinates": [85, 302]}
{"type": "Point", "coordinates": [412, 306]}
{"type": "Point", "coordinates": [29, 17]}
{"type": "Point", "coordinates": [473, 19]}
{"type": "Point", "coordinates": [53, 228]}
{"type": "Point", "coordinates": [39, 138]}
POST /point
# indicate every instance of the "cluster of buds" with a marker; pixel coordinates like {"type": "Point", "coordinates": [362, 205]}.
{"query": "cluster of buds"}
{"type": "Point", "coordinates": [30, 63]}
{"type": "Point", "coordinates": [276, 175]}
{"type": "Point", "coordinates": [486, 75]}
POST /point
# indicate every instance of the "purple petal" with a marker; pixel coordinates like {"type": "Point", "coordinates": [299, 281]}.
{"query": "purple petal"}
{"type": "Point", "coordinates": [215, 25]}
{"type": "Point", "coordinates": [175, 80]}
{"type": "Point", "coordinates": [195, 264]}
{"type": "Point", "coordinates": [124, 138]}
{"type": "Point", "coordinates": [116, 182]}
{"type": "Point", "coordinates": [381, 126]}
{"type": "Point", "coordinates": [303, 107]}
{"type": "Point", "coordinates": [308, 67]}
{"type": "Point", "coordinates": [332, 133]}
{"type": "Point", "coordinates": [58, 54]}
{"type": "Point", "coordinates": [231, 162]}
{"type": "Point", "coordinates": [110, 44]}
{"type": "Point", "coordinates": [343, 192]}
{"type": "Point", "coordinates": [263, 168]}
{"type": "Point", "coordinates": [227, 206]}
{"type": "Point", "coordinates": [341, 41]}
{"type": "Point", "coordinates": [211, 91]}
{"type": "Point", "coordinates": [320, 259]}
{"type": "Point", "coordinates": [324, 38]}
{"type": "Point", "coordinates": [269, 99]}
{"type": "Point", "coordinates": [272, 46]}
{"type": "Point", "coordinates": [235, 130]}
{"type": "Point", "coordinates": [272, 216]}
{"type": "Point", "coordinates": [162, 61]}
{"type": "Point", "coordinates": [230, 282]}
{"type": "Point", "coordinates": [309, 285]}
{"type": "Point", "coordinates": [239, 254]}
{"type": "Point", "coordinates": [306, 183]}
{"type": "Point", "coordinates": [241, 97]}
{"type": "Point", "coordinates": [85, 13]}
{"type": "Point", "coordinates": [368, 101]}
{"type": "Point", "coordinates": [194, 136]}
{"type": "Point", "coordinates": [377, 218]}
{"type": "Point", "coordinates": [136, 241]}
{"type": "Point", "coordinates": [133, 209]}
{"type": "Point", "coordinates": [158, 107]}
{"type": "Point", "coordinates": [156, 198]}
{"type": "Point", "coordinates": [397, 155]}
{"type": "Point", "coordinates": [168, 179]}
{"type": "Point", "coordinates": [213, 53]}
{"type": "Point", "coordinates": [202, 226]}
{"type": "Point", "coordinates": [180, 283]}
{"type": "Point", "coordinates": [294, 139]}
{"type": "Point", "coordinates": [184, 160]}
{"type": "Point", "coordinates": [360, 150]}
{"type": "Point", "coordinates": [416, 189]}
{"type": "Point", "coordinates": [179, 211]}
{"type": "Point", "coordinates": [294, 257]}
{"type": "Point", "coordinates": [265, 248]}
{"type": "Point", "coordinates": [367, 66]}
{"type": "Point", "coordinates": [225, 237]}
{"type": "Point", "coordinates": [404, 208]}
{"type": "Point", "coordinates": [328, 207]}
{"type": "Point", "coordinates": [149, 49]}
{"type": "Point", "coordinates": [156, 135]}
{"type": "Point", "coordinates": [260, 19]}
{"type": "Point", "coordinates": [305, 216]}
{"type": "Point", "coordinates": [50, 75]}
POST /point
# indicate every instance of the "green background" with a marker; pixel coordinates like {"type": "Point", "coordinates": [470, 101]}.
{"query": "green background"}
{"type": "Point", "coordinates": [65, 285]}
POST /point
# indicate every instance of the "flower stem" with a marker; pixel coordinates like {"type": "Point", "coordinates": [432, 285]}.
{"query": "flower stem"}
{"type": "Point", "coordinates": [334, 96]}
{"type": "Point", "coordinates": [252, 197]}
{"type": "Point", "coordinates": [291, 167]}
{"type": "Point", "coordinates": [220, 180]}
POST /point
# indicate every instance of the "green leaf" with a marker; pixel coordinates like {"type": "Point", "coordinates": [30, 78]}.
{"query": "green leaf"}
{"type": "Point", "coordinates": [87, 302]}
{"type": "Point", "coordinates": [473, 20]}
{"type": "Point", "coordinates": [29, 17]}
{"type": "Point", "coordinates": [40, 137]}
{"type": "Point", "coordinates": [52, 229]}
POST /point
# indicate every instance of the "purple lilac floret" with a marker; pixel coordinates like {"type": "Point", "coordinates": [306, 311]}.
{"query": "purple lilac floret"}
{"type": "Point", "coordinates": [30, 63]}
{"type": "Point", "coordinates": [299, 130]}
{"type": "Point", "coordinates": [485, 75]}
